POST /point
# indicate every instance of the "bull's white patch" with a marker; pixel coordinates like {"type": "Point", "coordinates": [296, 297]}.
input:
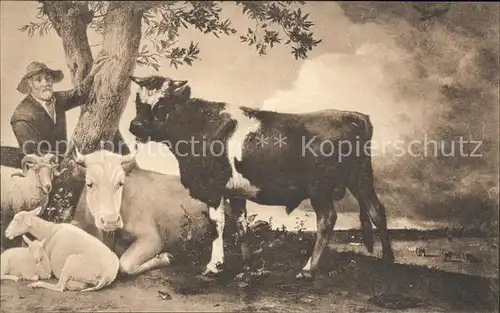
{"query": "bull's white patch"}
{"type": "Point", "coordinates": [307, 267]}
{"type": "Point", "coordinates": [151, 96]}
{"type": "Point", "coordinates": [244, 126]}
{"type": "Point", "coordinates": [217, 215]}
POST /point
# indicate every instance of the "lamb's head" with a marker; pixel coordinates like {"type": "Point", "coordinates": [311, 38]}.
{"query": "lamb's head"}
{"type": "Point", "coordinates": [36, 248]}
{"type": "Point", "coordinates": [41, 169]}
{"type": "Point", "coordinates": [21, 223]}
{"type": "Point", "coordinates": [104, 173]}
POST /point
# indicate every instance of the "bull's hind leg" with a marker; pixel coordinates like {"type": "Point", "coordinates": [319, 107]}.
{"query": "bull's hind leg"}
{"type": "Point", "coordinates": [143, 255]}
{"type": "Point", "coordinates": [322, 203]}
{"type": "Point", "coordinates": [217, 216]}
{"type": "Point", "coordinates": [362, 187]}
{"type": "Point", "coordinates": [378, 216]}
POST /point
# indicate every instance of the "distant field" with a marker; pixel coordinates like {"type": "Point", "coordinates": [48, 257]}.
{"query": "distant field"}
{"type": "Point", "coordinates": [345, 220]}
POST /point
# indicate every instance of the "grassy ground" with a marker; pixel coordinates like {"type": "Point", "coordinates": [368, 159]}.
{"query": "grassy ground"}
{"type": "Point", "coordinates": [351, 281]}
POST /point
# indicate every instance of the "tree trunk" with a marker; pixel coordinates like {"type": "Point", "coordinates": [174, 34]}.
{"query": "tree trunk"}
{"type": "Point", "coordinates": [111, 88]}
{"type": "Point", "coordinates": [100, 116]}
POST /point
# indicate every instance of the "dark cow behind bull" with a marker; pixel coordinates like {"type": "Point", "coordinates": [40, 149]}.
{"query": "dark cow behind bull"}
{"type": "Point", "coordinates": [267, 157]}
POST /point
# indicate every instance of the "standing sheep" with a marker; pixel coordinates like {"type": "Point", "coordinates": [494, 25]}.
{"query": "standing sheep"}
{"type": "Point", "coordinates": [77, 258]}
{"type": "Point", "coordinates": [30, 188]}
{"type": "Point", "coordinates": [30, 263]}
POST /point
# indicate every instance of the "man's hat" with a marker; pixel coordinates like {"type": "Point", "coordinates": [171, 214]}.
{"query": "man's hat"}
{"type": "Point", "coordinates": [35, 68]}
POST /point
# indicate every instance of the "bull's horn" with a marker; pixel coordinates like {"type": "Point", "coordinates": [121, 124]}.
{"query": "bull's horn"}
{"type": "Point", "coordinates": [179, 83]}
{"type": "Point", "coordinates": [131, 156]}
{"type": "Point", "coordinates": [27, 240]}
{"type": "Point", "coordinates": [137, 80]}
{"type": "Point", "coordinates": [79, 158]}
{"type": "Point", "coordinates": [28, 159]}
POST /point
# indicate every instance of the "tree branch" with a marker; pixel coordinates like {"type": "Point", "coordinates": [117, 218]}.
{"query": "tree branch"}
{"type": "Point", "coordinates": [70, 20]}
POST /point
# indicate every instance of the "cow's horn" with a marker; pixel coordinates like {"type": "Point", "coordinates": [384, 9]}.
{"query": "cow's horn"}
{"type": "Point", "coordinates": [131, 156]}
{"type": "Point", "coordinates": [79, 158]}
{"type": "Point", "coordinates": [31, 159]}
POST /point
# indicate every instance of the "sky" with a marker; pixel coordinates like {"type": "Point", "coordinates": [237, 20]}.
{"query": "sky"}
{"type": "Point", "coordinates": [228, 71]}
{"type": "Point", "coordinates": [415, 79]}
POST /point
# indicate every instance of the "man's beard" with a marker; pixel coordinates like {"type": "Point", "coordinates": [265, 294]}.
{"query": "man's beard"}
{"type": "Point", "coordinates": [46, 95]}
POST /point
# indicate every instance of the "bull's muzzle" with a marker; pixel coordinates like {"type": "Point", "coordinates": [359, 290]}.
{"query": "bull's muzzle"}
{"type": "Point", "coordinates": [109, 222]}
{"type": "Point", "coordinates": [139, 129]}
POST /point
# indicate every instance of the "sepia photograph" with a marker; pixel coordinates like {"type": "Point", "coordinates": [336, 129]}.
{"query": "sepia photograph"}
{"type": "Point", "coordinates": [249, 156]}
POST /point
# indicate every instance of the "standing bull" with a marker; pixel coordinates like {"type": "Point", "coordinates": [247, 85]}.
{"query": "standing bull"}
{"type": "Point", "coordinates": [144, 205]}
{"type": "Point", "coordinates": [271, 158]}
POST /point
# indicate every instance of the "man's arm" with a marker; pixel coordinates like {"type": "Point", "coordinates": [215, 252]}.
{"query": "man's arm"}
{"type": "Point", "coordinates": [77, 96]}
{"type": "Point", "coordinates": [27, 136]}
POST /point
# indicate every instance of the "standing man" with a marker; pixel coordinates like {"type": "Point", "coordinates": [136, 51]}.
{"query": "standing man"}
{"type": "Point", "coordinates": [39, 121]}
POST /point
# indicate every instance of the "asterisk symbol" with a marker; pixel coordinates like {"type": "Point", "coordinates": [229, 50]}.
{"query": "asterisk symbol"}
{"type": "Point", "coordinates": [262, 140]}
{"type": "Point", "coordinates": [280, 141]}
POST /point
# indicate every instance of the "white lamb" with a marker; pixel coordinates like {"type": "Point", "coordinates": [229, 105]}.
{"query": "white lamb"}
{"type": "Point", "coordinates": [30, 263]}
{"type": "Point", "coordinates": [77, 258]}
{"type": "Point", "coordinates": [30, 188]}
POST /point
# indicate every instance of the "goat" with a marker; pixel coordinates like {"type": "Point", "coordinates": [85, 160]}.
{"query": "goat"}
{"type": "Point", "coordinates": [30, 188]}
{"type": "Point", "coordinates": [77, 258]}
{"type": "Point", "coordinates": [30, 263]}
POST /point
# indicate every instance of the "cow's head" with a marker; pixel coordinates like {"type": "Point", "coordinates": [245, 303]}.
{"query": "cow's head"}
{"type": "Point", "coordinates": [154, 101]}
{"type": "Point", "coordinates": [104, 173]}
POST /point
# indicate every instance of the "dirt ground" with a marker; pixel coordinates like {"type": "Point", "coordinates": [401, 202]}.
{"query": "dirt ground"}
{"type": "Point", "coordinates": [352, 281]}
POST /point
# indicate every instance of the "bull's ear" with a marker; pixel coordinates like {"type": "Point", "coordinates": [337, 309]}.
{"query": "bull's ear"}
{"type": "Point", "coordinates": [138, 80]}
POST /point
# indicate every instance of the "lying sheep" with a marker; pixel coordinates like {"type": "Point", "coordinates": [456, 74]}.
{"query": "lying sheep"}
{"type": "Point", "coordinates": [30, 188]}
{"type": "Point", "coordinates": [77, 258]}
{"type": "Point", "coordinates": [30, 263]}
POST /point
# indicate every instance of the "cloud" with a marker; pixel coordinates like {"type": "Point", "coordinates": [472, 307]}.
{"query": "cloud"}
{"type": "Point", "coordinates": [417, 82]}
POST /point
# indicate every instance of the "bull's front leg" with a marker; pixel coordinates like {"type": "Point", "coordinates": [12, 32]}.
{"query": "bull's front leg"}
{"type": "Point", "coordinates": [217, 216]}
{"type": "Point", "coordinates": [239, 216]}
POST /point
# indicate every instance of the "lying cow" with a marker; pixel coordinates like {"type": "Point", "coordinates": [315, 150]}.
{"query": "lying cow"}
{"type": "Point", "coordinates": [240, 153]}
{"type": "Point", "coordinates": [144, 205]}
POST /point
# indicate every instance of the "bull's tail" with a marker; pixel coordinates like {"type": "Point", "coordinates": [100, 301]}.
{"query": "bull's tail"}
{"type": "Point", "coordinates": [362, 122]}
{"type": "Point", "coordinates": [368, 127]}
{"type": "Point", "coordinates": [365, 130]}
